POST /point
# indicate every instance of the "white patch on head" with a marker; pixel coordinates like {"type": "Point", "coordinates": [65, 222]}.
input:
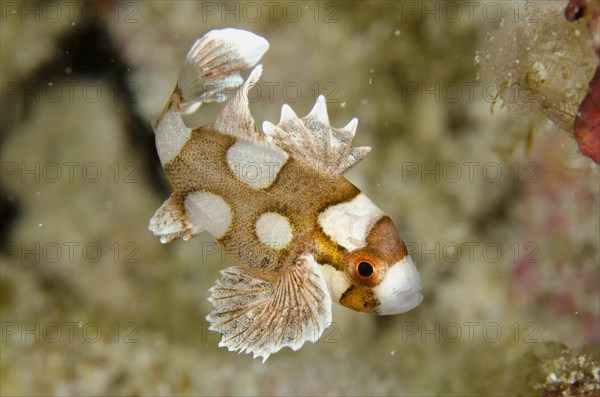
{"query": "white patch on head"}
{"type": "Point", "coordinates": [273, 230]}
{"type": "Point", "coordinates": [348, 224]}
{"type": "Point", "coordinates": [337, 282]}
{"type": "Point", "coordinates": [398, 292]}
{"type": "Point", "coordinates": [255, 163]}
{"type": "Point", "coordinates": [171, 134]}
{"type": "Point", "coordinates": [209, 212]}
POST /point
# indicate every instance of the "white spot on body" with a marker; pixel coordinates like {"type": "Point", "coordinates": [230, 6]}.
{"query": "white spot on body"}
{"type": "Point", "coordinates": [348, 224]}
{"type": "Point", "coordinates": [208, 211]}
{"type": "Point", "coordinates": [256, 164]}
{"type": "Point", "coordinates": [171, 134]}
{"type": "Point", "coordinates": [398, 292]}
{"type": "Point", "coordinates": [274, 230]}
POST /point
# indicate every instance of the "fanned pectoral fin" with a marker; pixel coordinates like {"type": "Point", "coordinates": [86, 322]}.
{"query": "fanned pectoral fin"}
{"type": "Point", "coordinates": [170, 222]}
{"type": "Point", "coordinates": [261, 317]}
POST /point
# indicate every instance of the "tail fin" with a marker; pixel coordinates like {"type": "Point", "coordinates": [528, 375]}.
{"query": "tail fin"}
{"type": "Point", "coordinates": [213, 65]}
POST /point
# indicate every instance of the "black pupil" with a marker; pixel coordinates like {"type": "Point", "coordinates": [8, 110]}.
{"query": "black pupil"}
{"type": "Point", "coordinates": [365, 269]}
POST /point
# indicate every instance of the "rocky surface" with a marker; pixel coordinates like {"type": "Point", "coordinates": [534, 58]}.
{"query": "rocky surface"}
{"type": "Point", "coordinates": [499, 209]}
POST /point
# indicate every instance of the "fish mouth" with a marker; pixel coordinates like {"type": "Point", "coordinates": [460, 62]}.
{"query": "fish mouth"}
{"type": "Point", "coordinates": [398, 292]}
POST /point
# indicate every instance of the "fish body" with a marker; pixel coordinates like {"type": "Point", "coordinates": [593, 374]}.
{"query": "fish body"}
{"type": "Point", "coordinates": [277, 202]}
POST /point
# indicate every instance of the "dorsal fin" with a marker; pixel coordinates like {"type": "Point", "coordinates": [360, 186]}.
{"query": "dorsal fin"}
{"type": "Point", "coordinates": [235, 118]}
{"type": "Point", "coordinates": [314, 141]}
{"type": "Point", "coordinates": [213, 64]}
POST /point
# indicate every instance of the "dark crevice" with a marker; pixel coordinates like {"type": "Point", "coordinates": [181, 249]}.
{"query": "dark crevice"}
{"type": "Point", "coordinates": [86, 51]}
{"type": "Point", "coordinates": [9, 212]}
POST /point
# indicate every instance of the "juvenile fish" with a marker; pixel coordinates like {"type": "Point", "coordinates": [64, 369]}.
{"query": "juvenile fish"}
{"type": "Point", "coordinates": [276, 201]}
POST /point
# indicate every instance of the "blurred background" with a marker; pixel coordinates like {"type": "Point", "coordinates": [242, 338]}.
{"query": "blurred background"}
{"type": "Point", "coordinates": [468, 108]}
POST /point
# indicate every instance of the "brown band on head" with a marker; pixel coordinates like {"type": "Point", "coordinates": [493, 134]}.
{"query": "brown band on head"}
{"type": "Point", "coordinates": [384, 236]}
{"type": "Point", "coordinates": [360, 298]}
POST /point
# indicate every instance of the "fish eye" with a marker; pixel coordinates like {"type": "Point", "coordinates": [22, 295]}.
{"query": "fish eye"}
{"type": "Point", "coordinates": [365, 267]}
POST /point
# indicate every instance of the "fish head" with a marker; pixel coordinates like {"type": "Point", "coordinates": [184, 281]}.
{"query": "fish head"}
{"type": "Point", "coordinates": [375, 274]}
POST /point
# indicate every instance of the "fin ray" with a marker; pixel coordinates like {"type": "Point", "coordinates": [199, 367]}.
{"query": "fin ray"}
{"type": "Point", "coordinates": [314, 141]}
{"type": "Point", "coordinates": [213, 65]}
{"type": "Point", "coordinates": [235, 118]}
{"type": "Point", "coordinates": [170, 222]}
{"type": "Point", "coordinates": [264, 316]}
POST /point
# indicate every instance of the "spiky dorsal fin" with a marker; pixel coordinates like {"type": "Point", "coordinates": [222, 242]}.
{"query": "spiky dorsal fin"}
{"type": "Point", "coordinates": [213, 64]}
{"type": "Point", "coordinates": [314, 141]}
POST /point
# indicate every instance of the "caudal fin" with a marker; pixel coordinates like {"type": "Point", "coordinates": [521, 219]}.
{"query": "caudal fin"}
{"type": "Point", "coordinates": [213, 66]}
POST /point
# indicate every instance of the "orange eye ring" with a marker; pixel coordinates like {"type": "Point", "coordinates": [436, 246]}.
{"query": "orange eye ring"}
{"type": "Point", "coordinates": [365, 267]}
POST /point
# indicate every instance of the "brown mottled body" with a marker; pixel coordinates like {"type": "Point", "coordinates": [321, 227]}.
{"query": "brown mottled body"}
{"type": "Point", "coordinates": [298, 193]}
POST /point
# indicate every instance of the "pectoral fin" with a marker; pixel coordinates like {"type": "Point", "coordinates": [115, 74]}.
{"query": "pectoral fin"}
{"type": "Point", "coordinates": [171, 223]}
{"type": "Point", "coordinates": [261, 317]}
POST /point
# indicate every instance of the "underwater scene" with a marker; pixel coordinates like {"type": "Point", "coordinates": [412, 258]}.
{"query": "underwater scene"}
{"type": "Point", "coordinates": [369, 198]}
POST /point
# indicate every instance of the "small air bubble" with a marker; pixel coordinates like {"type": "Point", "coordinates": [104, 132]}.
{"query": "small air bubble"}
{"type": "Point", "coordinates": [371, 70]}
{"type": "Point", "coordinates": [343, 104]}
{"type": "Point", "coordinates": [68, 70]}
{"type": "Point", "coordinates": [392, 352]}
{"type": "Point", "coordinates": [40, 225]}
{"type": "Point", "coordinates": [397, 32]}
{"type": "Point", "coordinates": [50, 84]}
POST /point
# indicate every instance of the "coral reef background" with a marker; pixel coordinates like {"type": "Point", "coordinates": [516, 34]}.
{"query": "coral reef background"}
{"type": "Point", "coordinates": [468, 108]}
